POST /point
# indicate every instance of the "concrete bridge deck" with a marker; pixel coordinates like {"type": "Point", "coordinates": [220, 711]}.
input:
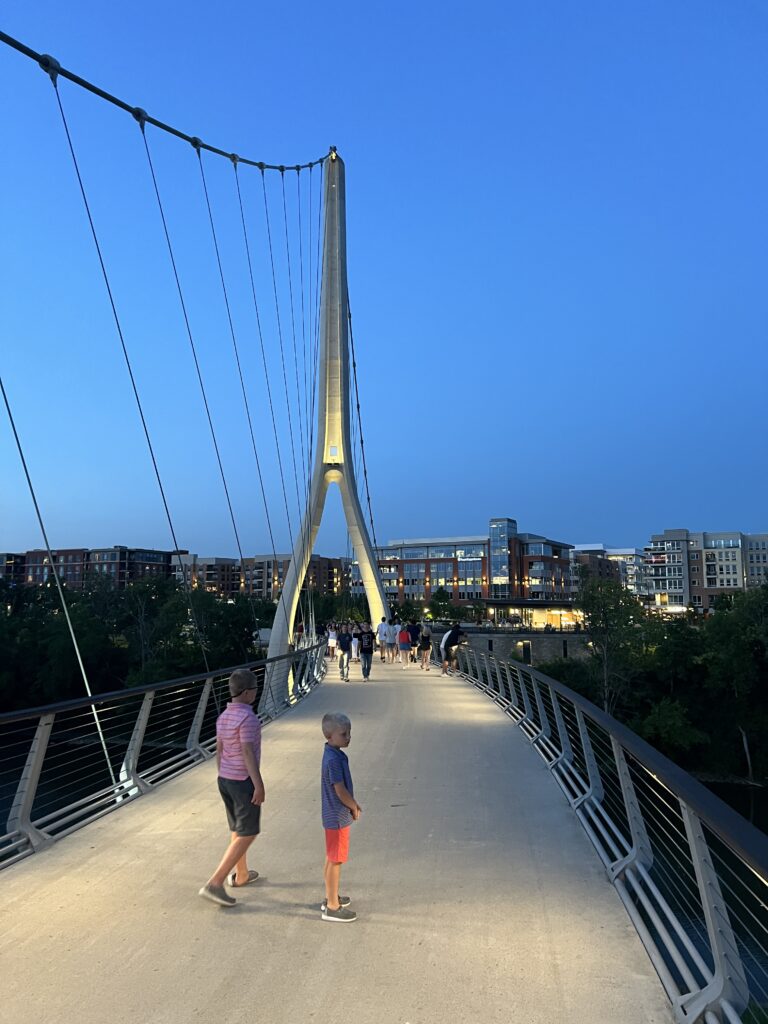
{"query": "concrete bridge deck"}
{"type": "Point", "coordinates": [479, 897]}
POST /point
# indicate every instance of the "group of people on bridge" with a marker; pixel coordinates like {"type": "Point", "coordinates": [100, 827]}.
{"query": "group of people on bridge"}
{"type": "Point", "coordinates": [397, 642]}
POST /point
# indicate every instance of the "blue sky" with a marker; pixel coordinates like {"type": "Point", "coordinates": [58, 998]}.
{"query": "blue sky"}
{"type": "Point", "coordinates": [557, 239]}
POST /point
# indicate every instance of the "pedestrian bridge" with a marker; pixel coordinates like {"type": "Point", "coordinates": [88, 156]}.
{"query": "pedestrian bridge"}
{"type": "Point", "coordinates": [479, 893]}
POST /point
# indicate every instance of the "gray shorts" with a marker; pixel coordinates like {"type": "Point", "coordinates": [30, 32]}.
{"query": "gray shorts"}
{"type": "Point", "coordinates": [244, 818]}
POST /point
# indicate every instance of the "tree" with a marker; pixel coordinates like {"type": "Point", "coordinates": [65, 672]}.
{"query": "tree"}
{"type": "Point", "coordinates": [476, 610]}
{"type": "Point", "coordinates": [408, 611]}
{"type": "Point", "coordinates": [613, 618]}
{"type": "Point", "coordinates": [736, 661]}
{"type": "Point", "coordinates": [441, 606]}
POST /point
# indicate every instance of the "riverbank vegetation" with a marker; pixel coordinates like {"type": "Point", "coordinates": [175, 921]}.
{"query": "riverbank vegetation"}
{"type": "Point", "coordinates": [696, 688]}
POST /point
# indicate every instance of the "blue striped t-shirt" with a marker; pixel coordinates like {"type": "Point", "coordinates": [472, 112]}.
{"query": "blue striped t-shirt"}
{"type": "Point", "coordinates": [335, 769]}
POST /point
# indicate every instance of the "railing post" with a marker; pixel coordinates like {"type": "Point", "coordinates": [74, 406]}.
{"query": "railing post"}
{"type": "Point", "coordinates": [193, 739]}
{"type": "Point", "coordinates": [129, 770]}
{"type": "Point", "coordinates": [729, 983]}
{"type": "Point", "coordinates": [486, 658]}
{"type": "Point", "coordinates": [306, 672]}
{"type": "Point", "coordinates": [19, 818]}
{"type": "Point", "coordinates": [510, 671]}
{"type": "Point", "coordinates": [499, 678]}
{"type": "Point", "coordinates": [461, 658]}
{"type": "Point", "coordinates": [595, 791]}
{"type": "Point", "coordinates": [562, 732]}
{"type": "Point", "coordinates": [527, 717]}
{"type": "Point", "coordinates": [641, 851]}
{"type": "Point", "coordinates": [546, 731]}
{"type": "Point", "coordinates": [477, 675]}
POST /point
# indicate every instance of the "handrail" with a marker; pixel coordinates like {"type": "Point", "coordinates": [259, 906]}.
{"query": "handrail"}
{"type": "Point", "coordinates": [132, 691]}
{"type": "Point", "coordinates": [691, 872]}
{"type": "Point", "coordinates": [749, 842]}
{"type": "Point", "coordinates": [66, 764]}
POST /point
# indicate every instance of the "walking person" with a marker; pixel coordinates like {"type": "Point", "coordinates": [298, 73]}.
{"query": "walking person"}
{"type": "Point", "coordinates": [381, 634]}
{"type": "Point", "coordinates": [415, 631]}
{"type": "Point", "coordinates": [332, 637]}
{"type": "Point", "coordinates": [404, 643]}
{"type": "Point", "coordinates": [356, 642]}
{"type": "Point", "coordinates": [339, 810]}
{"type": "Point", "coordinates": [344, 643]}
{"type": "Point", "coordinates": [238, 754]}
{"type": "Point", "coordinates": [425, 646]}
{"type": "Point", "coordinates": [390, 637]}
{"type": "Point", "coordinates": [367, 642]}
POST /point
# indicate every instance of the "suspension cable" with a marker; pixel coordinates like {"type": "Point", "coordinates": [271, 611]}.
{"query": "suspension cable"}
{"type": "Point", "coordinates": [53, 76]}
{"type": "Point", "coordinates": [51, 66]}
{"type": "Point", "coordinates": [305, 367]}
{"type": "Point", "coordinates": [293, 315]}
{"type": "Point", "coordinates": [360, 427]}
{"type": "Point", "coordinates": [188, 327]}
{"type": "Point", "coordinates": [303, 316]}
{"type": "Point", "coordinates": [280, 338]}
{"type": "Point", "coordinates": [246, 404]}
{"type": "Point", "coordinates": [304, 525]}
{"type": "Point", "coordinates": [59, 587]}
{"type": "Point", "coordinates": [266, 371]}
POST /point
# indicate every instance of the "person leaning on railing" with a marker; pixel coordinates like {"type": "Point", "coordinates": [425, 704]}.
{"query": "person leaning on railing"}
{"type": "Point", "coordinates": [238, 753]}
{"type": "Point", "coordinates": [448, 647]}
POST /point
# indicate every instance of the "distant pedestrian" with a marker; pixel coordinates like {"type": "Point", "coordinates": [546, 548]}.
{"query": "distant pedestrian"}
{"type": "Point", "coordinates": [390, 637]}
{"type": "Point", "coordinates": [367, 642]}
{"type": "Point", "coordinates": [344, 643]}
{"type": "Point", "coordinates": [404, 643]}
{"type": "Point", "coordinates": [332, 636]}
{"type": "Point", "coordinates": [339, 810]}
{"type": "Point", "coordinates": [425, 646]}
{"type": "Point", "coordinates": [356, 642]}
{"type": "Point", "coordinates": [238, 753]}
{"type": "Point", "coordinates": [381, 635]}
{"type": "Point", "coordinates": [414, 629]}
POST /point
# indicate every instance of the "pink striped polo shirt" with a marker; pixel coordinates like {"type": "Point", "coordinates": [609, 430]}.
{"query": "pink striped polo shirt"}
{"type": "Point", "coordinates": [236, 725]}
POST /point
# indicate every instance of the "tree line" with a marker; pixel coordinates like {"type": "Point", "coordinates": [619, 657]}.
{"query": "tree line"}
{"type": "Point", "coordinates": [143, 633]}
{"type": "Point", "coordinates": [696, 687]}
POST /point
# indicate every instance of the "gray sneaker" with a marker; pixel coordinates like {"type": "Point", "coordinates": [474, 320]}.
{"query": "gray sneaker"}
{"type": "Point", "coordinates": [218, 894]}
{"type": "Point", "coordinates": [344, 901]}
{"type": "Point", "coordinates": [339, 915]}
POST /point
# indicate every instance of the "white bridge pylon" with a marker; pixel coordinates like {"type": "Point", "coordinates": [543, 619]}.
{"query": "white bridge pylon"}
{"type": "Point", "coordinates": [334, 455]}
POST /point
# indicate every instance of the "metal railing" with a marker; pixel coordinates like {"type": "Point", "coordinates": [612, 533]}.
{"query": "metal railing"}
{"type": "Point", "coordinates": [690, 871]}
{"type": "Point", "coordinates": [66, 764]}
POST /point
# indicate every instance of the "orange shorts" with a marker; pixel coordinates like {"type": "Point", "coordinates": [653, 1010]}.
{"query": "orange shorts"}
{"type": "Point", "coordinates": [337, 844]}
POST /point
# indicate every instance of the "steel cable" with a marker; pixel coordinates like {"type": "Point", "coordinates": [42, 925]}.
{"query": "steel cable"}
{"type": "Point", "coordinates": [118, 326]}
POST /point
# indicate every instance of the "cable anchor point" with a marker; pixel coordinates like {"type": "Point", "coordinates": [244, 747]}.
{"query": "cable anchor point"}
{"type": "Point", "coordinates": [51, 67]}
{"type": "Point", "coordinates": [140, 117]}
{"type": "Point", "coordinates": [196, 144]}
{"type": "Point", "coordinates": [332, 153]}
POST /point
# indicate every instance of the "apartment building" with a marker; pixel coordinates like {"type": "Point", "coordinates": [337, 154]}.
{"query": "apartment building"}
{"type": "Point", "coordinates": [506, 570]}
{"type": "Point", "coordinates": [74, 566]}
{"type": "Point", "coordinates": [12, 568]}
{"type": "Point", "coordinates": [264, 575]}
{"type": "Point", "coordinates": [688, 569]}
{"type": "Point", "coordinates": [627, 565]}
{"type": "Point", "coordinates": [212, 573]}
